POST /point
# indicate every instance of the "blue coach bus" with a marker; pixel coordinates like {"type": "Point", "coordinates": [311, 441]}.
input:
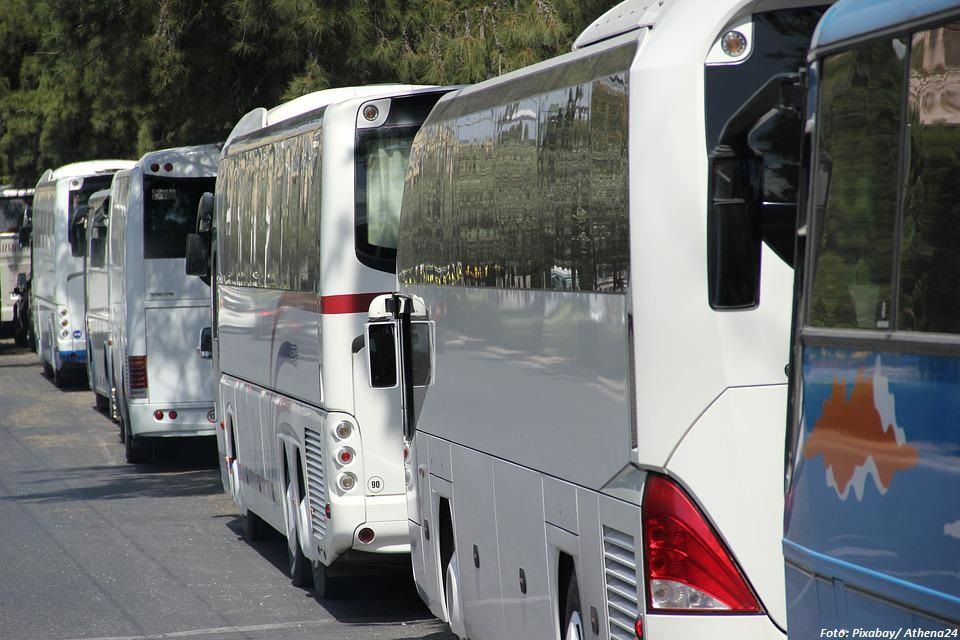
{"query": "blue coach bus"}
{"type": "Point", "coordinates": [872, 521]}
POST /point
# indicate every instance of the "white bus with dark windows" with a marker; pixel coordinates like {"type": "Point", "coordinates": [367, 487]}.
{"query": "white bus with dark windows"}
{"type": "Point", "coordinates": [14, 257]}
{"type": "Point", "coordinates": [595, 280]}
{"type": "Point", "coordinates": [62, 195]}
{"type": "Point", "coordinates": [162, 383]}
{"type": "Point", "coordinates": [306, 215]}
{"type": "Point", "coordinates": [93, 231]}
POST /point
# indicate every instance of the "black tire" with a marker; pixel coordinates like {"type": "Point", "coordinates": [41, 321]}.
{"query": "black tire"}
{"type": "Point", "coordinates": [297, 564]}
{"type": "Point", "coordinates": [254, 528]}
{"type": "Point", "coordinates": [47, 369]}
{"type": "Point", "coordinates": [59, 379]}
{"type": "Point", "coordinates": [325, 586]}
{"type": "Point", "coordinates": [572, 608]}
{"type": "Point", "coordinates": [134, 450]}
{"type": "Point", "coordinates": [103, 403]}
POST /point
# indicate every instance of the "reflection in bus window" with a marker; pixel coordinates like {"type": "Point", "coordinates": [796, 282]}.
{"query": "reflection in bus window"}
{"type": "Point", "coordinates": [930, 233]}
{"type": "Point", "coordinates": [859, 126]}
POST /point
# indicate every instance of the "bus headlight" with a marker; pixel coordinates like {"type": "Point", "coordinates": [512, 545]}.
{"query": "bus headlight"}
{"type": "Point", "coordinates": [347, 481]}
{"type": "Point", "coordinates": [64, 323]}
{"type": "Point", "coordinates": [65, 333]}
{"type": "Point", "coordinates": [62, 311]}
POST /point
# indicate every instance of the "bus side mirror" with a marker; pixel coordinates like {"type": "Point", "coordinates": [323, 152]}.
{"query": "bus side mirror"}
{"type": "Point", "coordinates": [383, 354]}
{"type": "Point", "coordinates": [78, 237]}
{"type": "Point", "coordinates": [25, 231]}
{"type": "Point", "coordinates": [198, 256]}
{"type": "Point", "coordinates": [205, 213]}
{"type": "Point", "coordinates": [205, 344]}
{"type": "Point", "coordinates": [734, 232]}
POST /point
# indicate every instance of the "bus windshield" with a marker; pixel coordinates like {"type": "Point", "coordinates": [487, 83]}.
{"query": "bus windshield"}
{"type": "Point", "coordinates": [170, 213]}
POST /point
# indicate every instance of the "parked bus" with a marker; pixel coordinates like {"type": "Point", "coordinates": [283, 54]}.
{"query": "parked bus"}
{"type": "Point", "coordinates": [594, 312]}
{"type": "Point", "coordinates": [57, 286]}
{"type": "Point", "coordinates": [162, 383]}
{"type": "Point", "coordinates": [14, 255]}
{"type": "Point", "coordinates": [306, 205]}
{"type": "Point", "coordinates": [95, 296]}
{"type": "Point", "coordinates": [872, 528]}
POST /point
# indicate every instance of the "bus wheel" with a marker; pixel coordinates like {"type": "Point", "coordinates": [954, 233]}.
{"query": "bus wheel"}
{"type": "Point", "coordinates": [254, 528]}
{"type": "Point", "coordinates": [134, 451]}
{"type": "Point", "coordinates": [451, 597]}
{"type": "Point", "coordinates": [572, 618]}
{"type": "Point", "coordinates": [297, 563]}
{"type": "Point", "coordinates": [325, 586]}
{"type": "Point", "coordinates": [103, 403]}
{"type": "Point", "coordinates": [58, 377]}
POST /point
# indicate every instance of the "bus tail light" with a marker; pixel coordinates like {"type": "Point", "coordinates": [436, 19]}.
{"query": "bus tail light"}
{"type": "Point", "coordinates": [137, 367]}
{"type": "Point", "coordinates": [345, 455]}
{"type": "Point", "coordinates": [688, 568]}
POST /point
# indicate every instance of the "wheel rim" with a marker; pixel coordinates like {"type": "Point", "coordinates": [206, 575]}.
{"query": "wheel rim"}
{"type": "Point", "coordinates": [574, 627]}
{"type": "Point", "coordinates": [451, 594]}
{"type": "Point", "coordinates": [291, 522]}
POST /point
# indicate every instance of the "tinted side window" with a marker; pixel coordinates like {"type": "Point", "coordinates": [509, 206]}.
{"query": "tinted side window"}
{"type": "Point", "coordinates": [856, 173]}
{"type": "Point", "coordinates": [930, 231]}
{"type": "Point", "coordinates": [270, 214]}
{"type": "Point", "coordinates": [524, 186]}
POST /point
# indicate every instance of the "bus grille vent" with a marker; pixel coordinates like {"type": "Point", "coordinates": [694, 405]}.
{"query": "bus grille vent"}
{"type": "Point", "coordinates": [620, 575]}
{"type": "Point", "coordinates": [315, 482]}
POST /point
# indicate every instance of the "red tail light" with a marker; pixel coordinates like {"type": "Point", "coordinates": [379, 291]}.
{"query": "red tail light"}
{"type": "Point", "coordinates": [137, 366]}
{"type": "Point", "coordinates": [688, 568]}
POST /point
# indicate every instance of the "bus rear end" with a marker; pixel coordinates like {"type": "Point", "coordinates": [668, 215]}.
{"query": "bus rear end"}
{"type": "Point", "coordinates": [872, 523]}
{"type": "Point", "coordinates": [169, 378]}
{"type": "Point", "coordinates": [14, 252]}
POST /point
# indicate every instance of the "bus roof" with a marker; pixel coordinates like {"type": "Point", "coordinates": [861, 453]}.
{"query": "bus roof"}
{"type": "Point", "coordinates": [623, 18]}
{"type": "Point", "coordinates": [182, 162]}
{"type": "Point", "coordinates": [80, 169]}
{"type": "Point", "coordinates": [851, 20]}
{"type": "Point", "coordinates": [259, 118]}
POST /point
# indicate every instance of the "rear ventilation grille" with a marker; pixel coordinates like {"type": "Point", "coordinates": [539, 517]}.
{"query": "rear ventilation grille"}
{"type": "Point", "coordinates": [620, 576]}
{"type": "Point", "coordinates": [316, 488]}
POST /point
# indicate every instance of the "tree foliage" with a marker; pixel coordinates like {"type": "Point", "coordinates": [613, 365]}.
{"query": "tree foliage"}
{"type": "Point", "coordinates": [117, 78]}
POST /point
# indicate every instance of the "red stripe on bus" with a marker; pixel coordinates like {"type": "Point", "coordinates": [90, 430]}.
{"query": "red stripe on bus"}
{"type": "Point", "coordinates": [348, 303]}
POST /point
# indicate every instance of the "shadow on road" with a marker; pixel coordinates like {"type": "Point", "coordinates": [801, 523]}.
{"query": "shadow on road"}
{"type": "Point", "coordinates": [385, 598]}
{"type": "Point", "coordinates": [169, 479]}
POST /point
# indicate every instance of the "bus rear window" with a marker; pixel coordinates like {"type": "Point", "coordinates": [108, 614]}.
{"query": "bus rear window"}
{"type": "Point", "coordinates": [11, 213]}
{"type": "Point", "coordinates": [170, 213]}
{"type": "Point", "coordinates": [382, 156]}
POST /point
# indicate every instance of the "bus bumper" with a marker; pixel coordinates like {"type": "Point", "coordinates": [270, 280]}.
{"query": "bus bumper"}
{"type": "Point", "coordinates": [72, 358]}
{"type": "Point", "coordinates": [190, 421]}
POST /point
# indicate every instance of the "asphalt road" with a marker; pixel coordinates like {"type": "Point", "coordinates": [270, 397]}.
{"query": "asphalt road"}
{"type": "Point", "coordinates": [92, 548]}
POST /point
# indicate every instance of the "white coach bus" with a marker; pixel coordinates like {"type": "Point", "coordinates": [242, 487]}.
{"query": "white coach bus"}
{"type": "Point", "coordinates": [162, 383]}
{"type": "Point", "coordinates": [307, 203]}
{"type": "Point", "coordinates": [61, 195]}
{"type": "Point", "coordinates": [599, 248]}
{"type": "Point", "coordinates": [95, 298]}
{"type": "Point", "coordinates": [14, 252]}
